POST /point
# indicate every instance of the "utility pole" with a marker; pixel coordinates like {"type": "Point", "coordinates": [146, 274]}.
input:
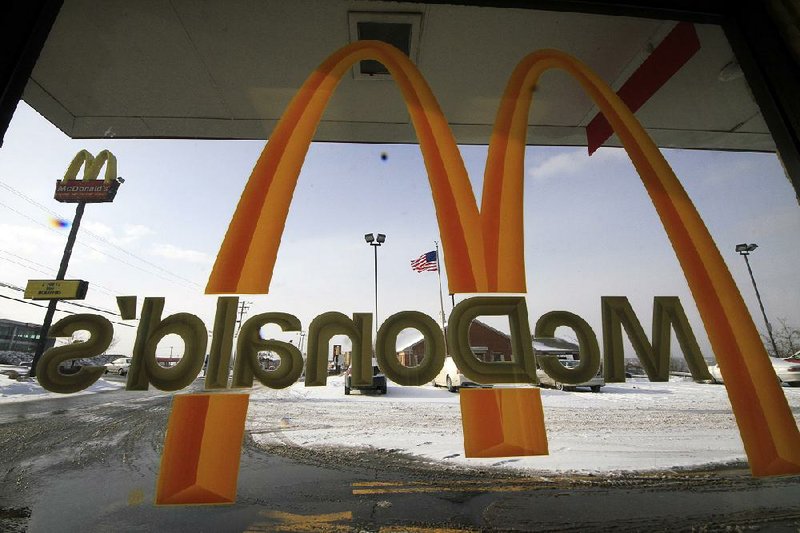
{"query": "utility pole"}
{"type": "Point", "coordinates": [243, 307]}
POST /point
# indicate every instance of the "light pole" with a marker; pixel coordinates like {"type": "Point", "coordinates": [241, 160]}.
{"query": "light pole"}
{"type": "Point", "coordinates": [375, 241]}
{"type": "Point", "coordinates": [744, 250]}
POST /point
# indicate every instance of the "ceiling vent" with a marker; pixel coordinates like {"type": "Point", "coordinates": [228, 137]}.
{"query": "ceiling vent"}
{"type": "Point", "coordinates": [401, 30]}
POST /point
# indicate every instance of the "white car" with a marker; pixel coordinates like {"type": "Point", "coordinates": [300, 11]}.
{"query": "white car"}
{"type": "Point", "coordinates": [118, 366]}
{"type": "Point", "coordinates": [452, 378]}
{"type": "Point", "coordinates": [716, 374]}
{"type": "Point", "coordinates": [569, 361]}
{"type": "Point", "coordinates": [787, 370]}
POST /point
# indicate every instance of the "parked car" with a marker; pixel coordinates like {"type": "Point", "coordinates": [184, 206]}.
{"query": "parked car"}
{"type": "Point", "coordinates": [567, 352]}
{"type": "Point", "coordinates": [378, 381]}
{"type": "Point", "coordinates": [452, 378]}
{"type": "Point", "coordinates": [787, 370]}
{"type": "Point", "coordinates": [69, 368]}
{"type": "Point", "coordinates": [571, 361]}
{"type": "Point", "coordinates": [119, 366]}
{"type": "Point", "coordinates": [716, 374]}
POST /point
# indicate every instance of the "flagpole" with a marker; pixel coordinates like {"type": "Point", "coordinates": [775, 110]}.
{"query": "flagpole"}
{"type": "Point", "coordinates": [441, 298]}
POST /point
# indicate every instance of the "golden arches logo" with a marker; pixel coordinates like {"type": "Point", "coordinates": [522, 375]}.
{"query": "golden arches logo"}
{"type": "Point", "coordinates": [484, 249]}
{"type": "Point", "coordinates": [93, 166]}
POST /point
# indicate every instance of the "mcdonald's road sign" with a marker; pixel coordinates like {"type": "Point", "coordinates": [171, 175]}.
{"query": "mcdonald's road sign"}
{"type": "Point", "coordinates": [57, 289]}
{"type": "Point", "coordinates": [89, 189]}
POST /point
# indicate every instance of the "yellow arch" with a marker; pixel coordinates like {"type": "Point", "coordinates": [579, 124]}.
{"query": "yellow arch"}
{"type": "Point", "coordinates": [246, 259]}
{"type": "Point", "coordinates": [765, 421]}
{"type": "Point", "coordinates": [93, 166]}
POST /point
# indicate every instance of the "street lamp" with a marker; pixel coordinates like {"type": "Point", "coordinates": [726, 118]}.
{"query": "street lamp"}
{"type": "Point", "coordinates": [375, 241]}
{"type": "Point", "coordinates": [744, 250]}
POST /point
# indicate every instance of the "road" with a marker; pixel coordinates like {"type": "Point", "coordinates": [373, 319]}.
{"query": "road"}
{"type": "Point", "coordinates": [90, 463]}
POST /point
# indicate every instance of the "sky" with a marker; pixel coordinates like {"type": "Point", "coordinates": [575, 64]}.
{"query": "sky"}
{"type": "Point", "coordinates": [590, 229]}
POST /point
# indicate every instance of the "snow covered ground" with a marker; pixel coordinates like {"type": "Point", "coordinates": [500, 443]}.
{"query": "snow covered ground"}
{"type": "Point", "coordinates": [12, 390]}
{"type": "Point", "coordinates": [632, 426]}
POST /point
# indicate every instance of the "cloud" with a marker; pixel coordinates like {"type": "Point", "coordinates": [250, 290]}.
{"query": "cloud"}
{"type": "Point", "coordinates": [733, 169]}
{"type": "Point", "coordinates": [29, 239]}
{"type": "Point", "coordinates": [98, 228]}
{"type": "Point", "coordinates": [180, 254]}
{"type": "Point", "coordinates": [130, 232]}
{"type": "Point", "coordinates": [134, 232]}
{"type": "Point", "coordinates": [573, 162]}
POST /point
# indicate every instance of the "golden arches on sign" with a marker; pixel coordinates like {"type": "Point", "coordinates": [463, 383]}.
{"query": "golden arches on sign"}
{"type": "Point", "coordinates": [484, 250]}
{"type": "Point", "coordinates": [93, 166]}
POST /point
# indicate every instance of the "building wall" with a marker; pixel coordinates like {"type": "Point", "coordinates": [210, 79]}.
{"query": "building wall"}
{"type": "Point", "coordinates": [20, 336]}
{"type": "Point", "coordinates": [496, 343]}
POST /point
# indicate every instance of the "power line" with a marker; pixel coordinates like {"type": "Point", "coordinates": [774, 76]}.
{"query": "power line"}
{"type": "Point", "coordinates": [20, 289]}
{"type": "Point", "coordinates": [58, 310]}
{"type": "Point", "coordinates": [34, 304]}
{"type": "Point", "coordinates": [100, 251]}
{"type": "Point", "coordinates": [24, 259]}
{"type": "Point", "coordinates": [25, 266]}
{"type": "Point", "coordinates": [28, 198]}
{"type": "Point", "coordinates": [106, 311]}
{"type": "Point", "coordinates": [96, 236]}
{"type": "Point", "coordinates": [93, 234]}
{"type": "Point", "coordinates": [4, 284]}
{"type": "Point", "coordinates": [104, 290]}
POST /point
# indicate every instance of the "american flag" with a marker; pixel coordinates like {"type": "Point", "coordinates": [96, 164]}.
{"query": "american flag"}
{"type": "Point", "coordinates": [425, 263]}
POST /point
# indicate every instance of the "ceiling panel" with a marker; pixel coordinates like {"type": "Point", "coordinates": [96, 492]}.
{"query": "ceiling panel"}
{"type": "Point", "coordinates": [227, 69]}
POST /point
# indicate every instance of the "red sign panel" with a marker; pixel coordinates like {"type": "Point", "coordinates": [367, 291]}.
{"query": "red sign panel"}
{"type": "Point", "coordinates": [88, 191]}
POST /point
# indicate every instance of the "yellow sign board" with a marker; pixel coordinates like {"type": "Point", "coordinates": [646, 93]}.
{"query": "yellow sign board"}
{"type": "Point", "coordinates": [56, 289]}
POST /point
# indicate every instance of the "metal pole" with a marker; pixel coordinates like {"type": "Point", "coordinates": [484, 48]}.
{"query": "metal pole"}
{"type": "Point", "coordinates": [375, 247]}
{"type": "Point", "coordinates": [62, 271]}
{"type": "Point", "coordinates": [761, 305]}
{"type": "Point", "coordinates": [441, 297]}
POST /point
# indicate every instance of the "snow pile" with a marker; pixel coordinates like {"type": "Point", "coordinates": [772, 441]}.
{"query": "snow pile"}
{"type": "Point", "coordinates": [28, 389]}
{"type": "Point", "coordinates": [630, 426]}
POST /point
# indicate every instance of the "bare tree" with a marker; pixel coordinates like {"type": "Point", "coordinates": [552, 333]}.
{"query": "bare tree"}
{"type": "Point", "coordinates": [114, 342]}
{"type": "Point", "coordinates": [787, 339]}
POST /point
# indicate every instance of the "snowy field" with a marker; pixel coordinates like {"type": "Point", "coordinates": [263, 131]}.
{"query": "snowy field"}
{"type": "Point", "coordinates": [633, 426]}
